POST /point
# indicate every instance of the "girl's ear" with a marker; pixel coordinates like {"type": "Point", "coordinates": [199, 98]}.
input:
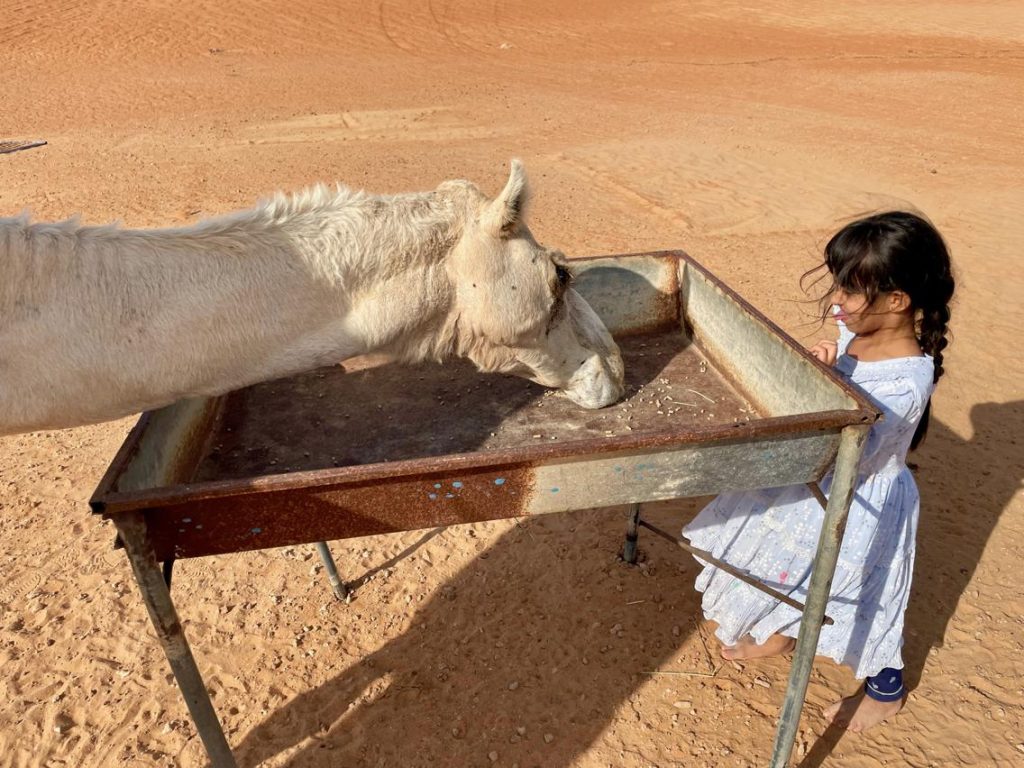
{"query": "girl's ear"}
{"type": "Point", "coordinates": [899, 301]}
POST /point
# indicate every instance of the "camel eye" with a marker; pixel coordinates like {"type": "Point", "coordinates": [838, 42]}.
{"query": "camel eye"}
{"type": "Point", "coordinates": [562, 279]}
{"type": "Point", "coordinates": [563, 274]}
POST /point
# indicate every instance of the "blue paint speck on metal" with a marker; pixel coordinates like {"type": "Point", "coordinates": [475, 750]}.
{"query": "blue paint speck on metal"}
{"type": "Point", "coordinates": [431, 496]}
{"type": "Point", "coordinates": [449, 495]}
{"type": "Point", "coordinates": [499, 481]}
{"type": "Point", "coordinates": [437, 485]}
{"type": "Point", "coordinates": [555, 490]}
{"type": "Point", "coordinates": [457, 484]}
{"type": "Point", "coordinates": [257, 530]}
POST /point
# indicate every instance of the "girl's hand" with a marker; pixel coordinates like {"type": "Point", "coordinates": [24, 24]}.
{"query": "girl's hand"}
{"type": "Point", "coordinates": [826, 351]}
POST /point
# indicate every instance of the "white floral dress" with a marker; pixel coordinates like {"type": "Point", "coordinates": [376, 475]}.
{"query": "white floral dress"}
{"type": "Point", "coordinates": [773, 535]}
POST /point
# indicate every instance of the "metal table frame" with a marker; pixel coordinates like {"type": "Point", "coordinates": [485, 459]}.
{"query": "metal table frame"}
{"type": "Point", "coordinates": [147, 493]}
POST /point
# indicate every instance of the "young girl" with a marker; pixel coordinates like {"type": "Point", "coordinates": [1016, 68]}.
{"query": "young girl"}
{"type": "Point", "coordinates": [891, 287]}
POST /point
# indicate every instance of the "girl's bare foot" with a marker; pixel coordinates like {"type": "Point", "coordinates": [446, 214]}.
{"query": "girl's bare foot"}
{"type": "Point", "coordinates": [746, 648]}
{"type": "Point", "coordinates": [860, 712]}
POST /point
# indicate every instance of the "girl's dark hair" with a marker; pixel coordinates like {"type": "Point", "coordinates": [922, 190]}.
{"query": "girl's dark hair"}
{"type": "Point", "coordinates": [897, 251]}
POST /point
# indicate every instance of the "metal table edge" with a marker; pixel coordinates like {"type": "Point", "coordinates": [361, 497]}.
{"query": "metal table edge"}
{"type": "Point", "coordinates": [114, 502]}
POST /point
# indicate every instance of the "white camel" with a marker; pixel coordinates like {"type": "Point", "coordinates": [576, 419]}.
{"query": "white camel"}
{"type": "Point", "coordinates": [101, 322]}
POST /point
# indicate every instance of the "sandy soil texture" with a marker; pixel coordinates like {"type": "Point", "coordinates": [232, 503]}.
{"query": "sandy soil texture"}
{"type": "Point", "coordinates": [744, 133]}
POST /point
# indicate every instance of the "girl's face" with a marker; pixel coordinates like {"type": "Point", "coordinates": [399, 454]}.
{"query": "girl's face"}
{"type": "Point", "coordinates": [890, 311]}
{"type": "Point", "coordinates": [854, 310]}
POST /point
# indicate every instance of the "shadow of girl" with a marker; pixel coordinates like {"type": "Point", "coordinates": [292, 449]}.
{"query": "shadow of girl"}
{"type": "Point", "coordinates": [517, 654]}
{"type": "Point", "coordinates": [965, 486]}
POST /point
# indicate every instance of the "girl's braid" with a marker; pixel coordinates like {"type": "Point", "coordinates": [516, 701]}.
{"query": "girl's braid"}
{"type": "Point", "coordinates": [932, 335]}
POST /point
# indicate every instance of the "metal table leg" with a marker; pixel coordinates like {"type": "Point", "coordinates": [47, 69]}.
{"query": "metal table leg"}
{"type": "Point", "coordinates": [632, 533]}
{"type": "Point", "coordinates": [851, 445]}
{"type": "Point", "coordinates": [340, 590]}
{"type": "Point", "coordinates": [157, 597]}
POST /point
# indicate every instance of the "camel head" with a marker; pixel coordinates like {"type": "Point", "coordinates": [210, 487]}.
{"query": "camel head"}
{"type": "Point", "coordinates": [516, 308]}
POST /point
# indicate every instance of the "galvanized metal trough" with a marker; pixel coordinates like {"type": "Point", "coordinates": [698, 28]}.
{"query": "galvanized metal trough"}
{"type": "Point", "coordinates": [718, 399]}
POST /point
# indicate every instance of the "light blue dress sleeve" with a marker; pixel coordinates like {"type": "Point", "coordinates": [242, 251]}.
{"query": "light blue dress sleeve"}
{"type": "Point", "coordinates": [902, 406]}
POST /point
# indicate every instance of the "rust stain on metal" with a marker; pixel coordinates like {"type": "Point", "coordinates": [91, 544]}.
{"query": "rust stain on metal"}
{"type": "Point", "coordinates": [301, 515]}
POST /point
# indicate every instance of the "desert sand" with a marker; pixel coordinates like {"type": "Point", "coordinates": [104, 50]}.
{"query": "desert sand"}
{"type": "Point", "coordinates": [742, 133]}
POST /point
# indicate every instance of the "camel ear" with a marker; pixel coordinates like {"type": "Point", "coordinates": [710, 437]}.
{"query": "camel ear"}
{"type": "Point", "coordinates": [502, 214]}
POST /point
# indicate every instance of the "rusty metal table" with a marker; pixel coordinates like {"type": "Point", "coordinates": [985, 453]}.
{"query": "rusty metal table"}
{"type": "Point", "coordinates": [237, 473]}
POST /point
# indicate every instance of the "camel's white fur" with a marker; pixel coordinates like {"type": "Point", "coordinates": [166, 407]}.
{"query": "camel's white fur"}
{"type": "Point", "coordinates": [100, 322]}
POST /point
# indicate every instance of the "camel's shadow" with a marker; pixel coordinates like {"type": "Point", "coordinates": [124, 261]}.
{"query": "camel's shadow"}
{"type": "Point", "coordinates": [517, 654]}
